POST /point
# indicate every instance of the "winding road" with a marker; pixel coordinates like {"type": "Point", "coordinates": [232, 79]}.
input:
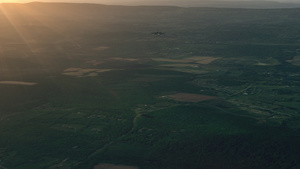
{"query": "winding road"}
{"type": "Point", "coordinates": [110, 143]}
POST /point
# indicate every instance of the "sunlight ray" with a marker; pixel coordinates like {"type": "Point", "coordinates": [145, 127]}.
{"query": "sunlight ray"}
{"type": "Point", "coordinates": [42, 21]}
{"type": "Point", "coordinates": [28, 25]}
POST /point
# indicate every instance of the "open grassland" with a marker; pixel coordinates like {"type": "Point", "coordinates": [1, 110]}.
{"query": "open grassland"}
{"type": "Point", "coordinates": [203, 59]}
{"type": "Point", "coordinates": [195, 59]}
{"type": "Point", "coordinates": [295, 61]}
{"type": "Point", "coordinates": [18, 83]}
{"type": "Point", "coordinates": [111, 166]}
{"type": "Point", "coordinates": [179, 65]}
{"type": "Point", "coordinates": [101, 48]}
{"type": "Point", "coordinates": [80, 72]}
{"type": "Point", "coordinates": [188, 97]}
{"type": "Point", "coordinates": [268, 62]}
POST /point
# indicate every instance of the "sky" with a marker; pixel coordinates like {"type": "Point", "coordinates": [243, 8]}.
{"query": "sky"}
{"type": "Point", "coordinates": [139, 1]}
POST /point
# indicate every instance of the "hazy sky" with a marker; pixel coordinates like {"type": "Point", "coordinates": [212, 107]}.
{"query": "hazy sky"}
{"type": "Point", "coordinates": [136, 1]}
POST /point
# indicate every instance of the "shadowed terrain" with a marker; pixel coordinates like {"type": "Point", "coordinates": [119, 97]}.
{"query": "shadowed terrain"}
{"type": "Point", "coordinates": [95, 86]}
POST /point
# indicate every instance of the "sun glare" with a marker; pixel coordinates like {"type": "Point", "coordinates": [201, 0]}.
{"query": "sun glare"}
{"type": "Point", "coordinates": [22, 20]}
{"type": "Point", "coordinates": [14, 1]}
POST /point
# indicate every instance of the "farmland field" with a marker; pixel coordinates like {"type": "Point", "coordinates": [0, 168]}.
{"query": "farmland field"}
{"type": "Point", "coordinates": [91, 86]}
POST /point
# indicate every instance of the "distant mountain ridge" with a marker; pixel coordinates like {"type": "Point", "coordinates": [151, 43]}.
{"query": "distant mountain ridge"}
{"type": "Point", "coordinates": [193, 3]}
{"type": "Point", "coordinates": [234, 4]}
